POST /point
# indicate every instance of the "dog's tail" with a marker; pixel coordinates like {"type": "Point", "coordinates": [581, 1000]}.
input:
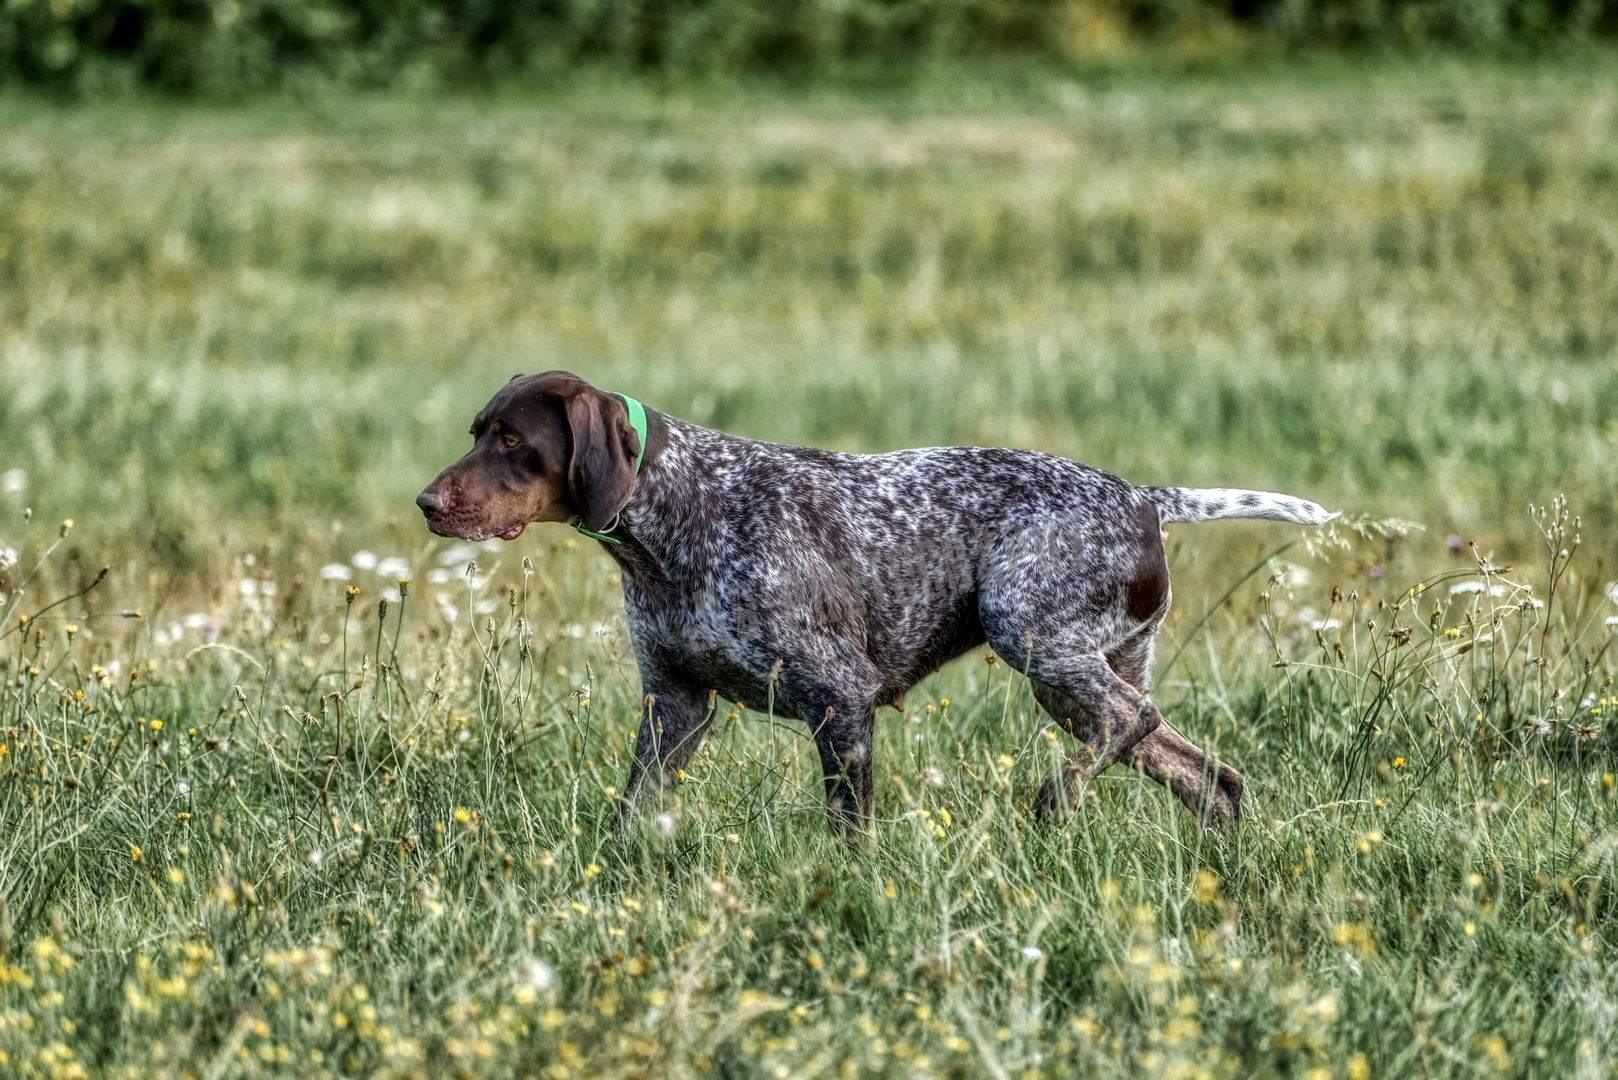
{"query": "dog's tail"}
{"type": "Point", "coordinates": [1207, 504]}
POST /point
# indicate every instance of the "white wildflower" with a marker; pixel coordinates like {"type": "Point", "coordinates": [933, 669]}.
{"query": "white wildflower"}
{"type": "Point", "coordinates": [932, 777]}
{"type": "Point", "coordinates": [336, 572]}
{"type": "Point", "coordinates": [8, 558]}
{"type": "Point", "coordinates": [1033, 952]}
{"type": "Point", "coordinates": [364, 560]}
{"type": "Point", "coordinates": [439, 576]}
{"type": "Point", "coordinates": [535, 973]}
{"type": "Point", "coordinates": [460, 554]}
{"type": "Point", "coordinates": [393, 567]}
{"type": "Point", "coordinates": [13, 481]}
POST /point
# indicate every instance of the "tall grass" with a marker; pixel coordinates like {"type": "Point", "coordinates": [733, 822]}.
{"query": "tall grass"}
{"type": "Point", "coordinates": [269, 810]}
{"type": "Point", "coordinates": [318, 833]}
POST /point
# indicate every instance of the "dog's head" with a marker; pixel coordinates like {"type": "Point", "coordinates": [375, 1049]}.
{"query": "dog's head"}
{"type": "Point", "coordinates": [547, 447]}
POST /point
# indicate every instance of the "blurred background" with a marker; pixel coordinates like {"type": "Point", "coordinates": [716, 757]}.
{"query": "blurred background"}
{"type": "Point", "coordinates": [260, 262]}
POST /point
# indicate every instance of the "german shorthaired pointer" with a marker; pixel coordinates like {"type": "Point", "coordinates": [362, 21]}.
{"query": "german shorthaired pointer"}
{"type": "Point", "coordinates": [848, 578]}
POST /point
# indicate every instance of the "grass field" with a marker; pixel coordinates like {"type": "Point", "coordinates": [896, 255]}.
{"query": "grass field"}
{"type": "Point", "coordinates": [295, 817]}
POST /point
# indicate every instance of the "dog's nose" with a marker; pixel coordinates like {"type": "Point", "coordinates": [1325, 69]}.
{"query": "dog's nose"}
{"type": "Point", "coordinates": [430, 501]}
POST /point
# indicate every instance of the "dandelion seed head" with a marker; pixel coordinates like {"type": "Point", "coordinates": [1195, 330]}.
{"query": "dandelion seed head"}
{"type": "Point", "coordinates": [363, 560]}
{"type": "Point", "coordinates": [336, 572]}
{"type": "Point", "coordinates": [13, 481]}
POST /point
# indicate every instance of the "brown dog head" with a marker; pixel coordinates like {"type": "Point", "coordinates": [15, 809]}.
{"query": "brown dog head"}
{"type": "Point", "coordinates": [547, 447]}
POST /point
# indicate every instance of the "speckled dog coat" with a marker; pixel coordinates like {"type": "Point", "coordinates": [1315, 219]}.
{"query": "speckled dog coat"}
{"type": "Point", "coordinates": [848, 578]}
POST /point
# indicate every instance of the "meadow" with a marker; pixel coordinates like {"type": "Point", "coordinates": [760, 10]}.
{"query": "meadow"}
{"type": "Point", "coordinates": [291, 787]}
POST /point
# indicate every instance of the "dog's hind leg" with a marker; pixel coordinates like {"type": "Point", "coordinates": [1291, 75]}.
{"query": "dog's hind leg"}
{"type": "Point", "coordinates": [1089, 699]}
{"type": "Point", "coordinates": [1210, 789]}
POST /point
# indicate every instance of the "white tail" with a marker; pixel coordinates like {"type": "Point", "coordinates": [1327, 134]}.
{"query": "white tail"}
{"type": "Point", "coordinates": [1207, 504]}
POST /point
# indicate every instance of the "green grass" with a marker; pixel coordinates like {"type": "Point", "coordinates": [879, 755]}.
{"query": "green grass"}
{"type": "Point", "coordinates": [234, 342]}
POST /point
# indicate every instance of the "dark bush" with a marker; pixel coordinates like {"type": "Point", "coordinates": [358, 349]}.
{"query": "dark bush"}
{"type": "Point", "coordinates": [245, 44]}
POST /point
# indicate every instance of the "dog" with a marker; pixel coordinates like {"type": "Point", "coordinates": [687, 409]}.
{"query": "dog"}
{"type": "Point", "coordinates": [838, 581]}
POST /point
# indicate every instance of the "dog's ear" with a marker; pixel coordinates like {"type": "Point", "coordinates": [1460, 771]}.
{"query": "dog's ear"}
{"type": "Point", "coordinates": [601, 472]}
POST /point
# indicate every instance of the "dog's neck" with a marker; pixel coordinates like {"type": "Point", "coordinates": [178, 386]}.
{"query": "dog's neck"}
{"type": "Point", "coordinates": [674, 500]}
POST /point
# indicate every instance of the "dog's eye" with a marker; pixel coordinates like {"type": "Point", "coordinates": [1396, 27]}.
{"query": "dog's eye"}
{"type": "Point", "coordinates": [510, 440]}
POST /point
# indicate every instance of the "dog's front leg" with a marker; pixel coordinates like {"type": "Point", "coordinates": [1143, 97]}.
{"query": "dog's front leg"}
{"type": "Point", "coordinates": [843, 735]}
{"type": "Point", "coordinates": [673, 721]}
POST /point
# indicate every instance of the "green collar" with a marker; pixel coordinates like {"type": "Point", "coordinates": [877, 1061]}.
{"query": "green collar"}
{"type": "Point", "coordinates": [637, 421]}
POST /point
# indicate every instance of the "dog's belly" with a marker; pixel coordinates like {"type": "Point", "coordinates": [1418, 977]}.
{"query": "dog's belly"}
{"type": "Point", "coordinates": [726, 647]}
{"type": "Point", "coordinates": [923, 645]}
{"type": "Point", "coordinates": [703, 641]}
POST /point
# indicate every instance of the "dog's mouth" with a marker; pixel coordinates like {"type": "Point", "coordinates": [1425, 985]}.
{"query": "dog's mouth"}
{"type": "Point", "coordinates": [448, 526]}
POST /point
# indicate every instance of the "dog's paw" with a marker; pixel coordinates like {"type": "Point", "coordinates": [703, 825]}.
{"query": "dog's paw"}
{"type": "Point", "coordinates": [1224, 810]}
{"type": "Point", "coordinates": [1058, 795]}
